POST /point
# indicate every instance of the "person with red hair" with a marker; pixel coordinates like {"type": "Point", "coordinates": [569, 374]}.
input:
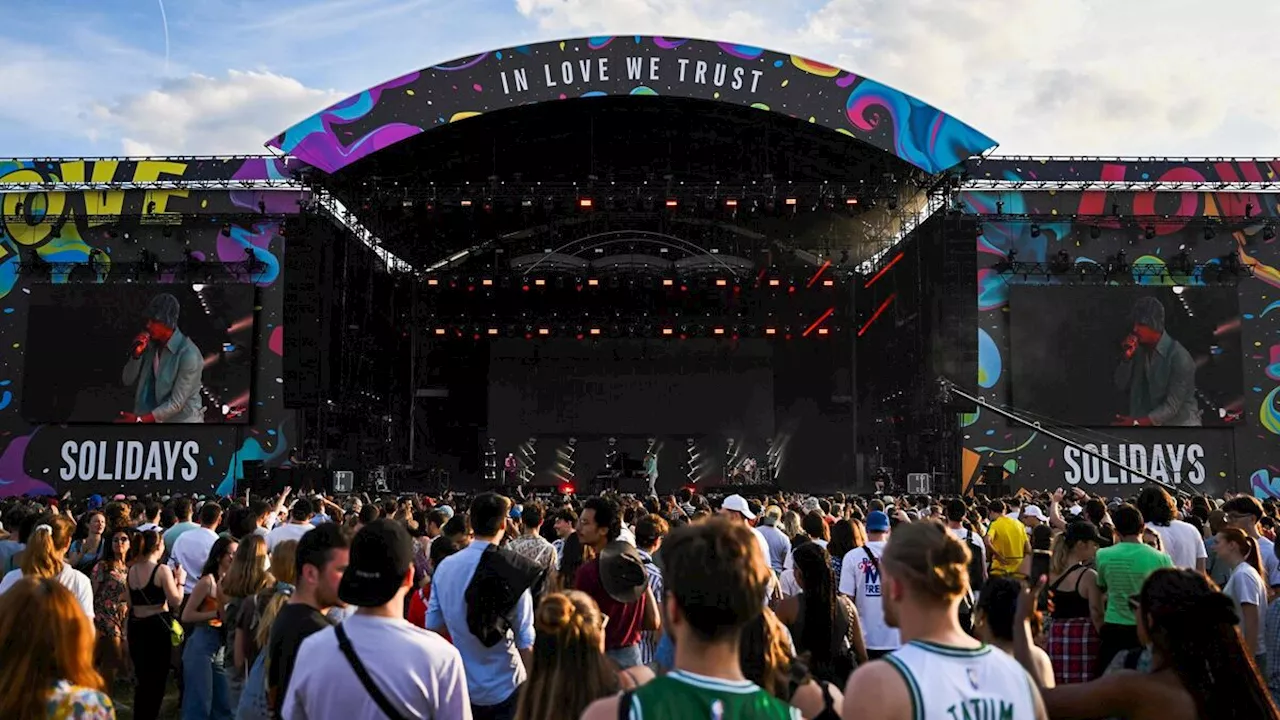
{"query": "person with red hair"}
{"type": "Point", "coordinates": [51, 677]}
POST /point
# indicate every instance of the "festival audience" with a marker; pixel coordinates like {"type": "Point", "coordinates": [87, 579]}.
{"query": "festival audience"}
{"type": "Point", "coordinates": [1122, 569]}
{"type": "Point", "coordinates": [42, 557]}
{"type": "Point", "coordinates": [205, 692]}
{"type": "Point", "coordinates": [111, 604]}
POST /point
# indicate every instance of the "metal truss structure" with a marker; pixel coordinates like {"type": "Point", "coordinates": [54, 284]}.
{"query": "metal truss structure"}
{"type": "Point", "coordinates": [968, 182]}
{"type": "Point", "coordinates": [1116, 271]}
{"type": "Point", "coordinates": [203, 272]}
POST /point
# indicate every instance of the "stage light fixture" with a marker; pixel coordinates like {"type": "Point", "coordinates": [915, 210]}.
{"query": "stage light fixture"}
{"type": "Point", "coordinates": [828, 283]}
{"type": "Point", "coordinates": [539, 282]}
{"type": "Point", "coordinates": [593, 331]}
{"type": "Point", "coordinates": [226, 230]}
{"type": "Point", "coordinates": [770, 331]}
{"type": "Point", "coordinates": [262, 207]}
{"type": "Point", "coordinates": [466, 203]}
{"type": "Point", "coordinates": [526, 203]}
{"type": "Point", "coordinates": [999, 207]}
{"type": "Point", "coordinates": [1268, 233]}
{"type": "Point", "coordinates": [774, 282]}
{"type": "Point", "coordinates": [1248, 210]}
{"type": "Point", "coordinates": [439, 331]}
{"type": "Point", "coordinates": [718, 331]}
{"type": "Point", "coordinates": [487, 282]}
{"type": "Point", "coordinates": [592, 282]}
{"type": "Point", "coordinates": [791, 202]}
{"type": "Point", "coordinates": [151, 207]}
{"type": "Point", "coordinates": [721, 282]}
{"type": "Point", "coordinates": [851, 201]}
{"type": "Point", "coordinates": [731, 202]}
{"type": "Point", "coordinates": [1035, 230]}
{"type": "Point", "coordinates": [1149, 232]}
{"type": "Point", "coordinates": [585, 203]}
{"type": "Point", "coordinates": [1209, 232]}
{"type": "Point", "coordinates": [1095, 232]}
{"type": "Point", "coordinates": [433, 282]}
{"type": "Point", "coordinates": [1061, 262]}
{"type": "Point", "coordinates": [673, 203]}
{"type": "Point", "coordinates": [668, 282]}
{"type": "Point", "coordinates": [544, 331]}
{"type": "Point", "coordinates": [668, 331]}
{"type": "Point", "coordinates": [17, 209]}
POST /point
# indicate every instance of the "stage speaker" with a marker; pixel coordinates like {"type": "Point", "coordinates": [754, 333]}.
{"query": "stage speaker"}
{"type": "Point", "coordinates": [344, 481]}
{"type": "Point", "coordinates": [955, 308]}
{"type": "Point", "coordinates": [256, 477]}
{"type": "Point", "coordinates": [306, 320]}
{"type": "Point", "coordinates": [993, 484]}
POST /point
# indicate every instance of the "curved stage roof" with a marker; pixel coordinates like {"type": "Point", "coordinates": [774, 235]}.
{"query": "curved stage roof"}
{"type": "Point", "coordinates": [384, 115]}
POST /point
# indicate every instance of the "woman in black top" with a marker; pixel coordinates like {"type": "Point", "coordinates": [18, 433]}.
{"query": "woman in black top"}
{"type": "Point", "coordinates": [155, 592]}
{"type": "Point", "coordinates": [824, 625]}
{"type": "Point", "coordinates": [766, 660]}
{"type": "Point", "coordinates": [1078, 606]}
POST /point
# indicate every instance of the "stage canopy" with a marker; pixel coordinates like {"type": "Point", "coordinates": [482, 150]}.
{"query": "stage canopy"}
{"type": "Point", "coordinates": [636, 122]}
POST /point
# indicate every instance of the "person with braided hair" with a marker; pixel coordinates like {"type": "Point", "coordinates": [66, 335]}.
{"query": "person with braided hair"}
{"type": "Point", "coordinates": [1200, 669]}
{"type": "Point", "coordinates": [570, 670]}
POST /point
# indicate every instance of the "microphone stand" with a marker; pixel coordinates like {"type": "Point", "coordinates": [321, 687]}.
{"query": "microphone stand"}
{"type": "Point", "coordinates": [949, 388]}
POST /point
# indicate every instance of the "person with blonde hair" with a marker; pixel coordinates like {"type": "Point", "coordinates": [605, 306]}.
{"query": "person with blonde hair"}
{"type": "Point", "coordinates": [570, 670]}
{"type": "Point", "coordinates": [253, 631]}
{"type": "Point", "coordinates": [48, 670]}
{"type": "Point", "coordinates": [43, 558]}
{"type": "Point", "coordinates": [940, 670]}
{"type": "Point", "coordinates": [245, 579]}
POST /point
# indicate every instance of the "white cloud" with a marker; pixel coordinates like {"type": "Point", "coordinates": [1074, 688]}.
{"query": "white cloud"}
{"type": "Point", "coordinates": [205, 115]}
{"type": "Point", "coordinates": [1063, 77]}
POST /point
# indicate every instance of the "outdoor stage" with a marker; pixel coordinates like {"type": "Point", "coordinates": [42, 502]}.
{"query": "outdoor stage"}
{"type": "Point", "coordinates": [741, 264]}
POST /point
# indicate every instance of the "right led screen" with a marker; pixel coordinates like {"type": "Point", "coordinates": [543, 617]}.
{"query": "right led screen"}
{"type": "Point", "coordinates": [1097, 356]}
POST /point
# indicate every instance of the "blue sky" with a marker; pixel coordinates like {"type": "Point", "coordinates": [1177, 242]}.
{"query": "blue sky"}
{"type": "Point", "coordinates": [91, 77]}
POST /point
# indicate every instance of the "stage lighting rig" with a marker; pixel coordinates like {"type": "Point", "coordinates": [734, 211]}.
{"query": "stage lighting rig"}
{"type": "Point", "coordinates": [1268, 233]}
{"type": "Point", "coordinates": [491, 462]}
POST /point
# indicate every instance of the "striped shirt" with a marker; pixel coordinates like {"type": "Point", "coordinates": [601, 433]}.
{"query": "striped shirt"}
{"type": "Point", "coordinates": [649, 638]}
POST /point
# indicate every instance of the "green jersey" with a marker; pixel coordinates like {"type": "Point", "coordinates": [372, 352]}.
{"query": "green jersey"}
{"type": "Point", "coordinates": [686, 696]}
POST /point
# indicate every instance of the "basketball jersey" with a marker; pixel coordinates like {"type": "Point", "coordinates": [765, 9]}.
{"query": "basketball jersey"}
{"type": "Point", "coordinates": [860, 580]}
{"type": "Point", "coordinates": [687, 696]}
{"type": "Point", "coordinates": [950, 683]}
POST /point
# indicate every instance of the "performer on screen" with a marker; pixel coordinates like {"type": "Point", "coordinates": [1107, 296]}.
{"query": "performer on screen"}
{"type": "Point", "coordinates": [166, 367]}
{"type": "Point", "coordinates": [1158, 372]}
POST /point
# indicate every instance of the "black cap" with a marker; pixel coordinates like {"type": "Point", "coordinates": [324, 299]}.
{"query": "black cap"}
{"type": "Point", "coordinates": [1082, 531]}
{"type": "Point", "coordinates": [381, 555]}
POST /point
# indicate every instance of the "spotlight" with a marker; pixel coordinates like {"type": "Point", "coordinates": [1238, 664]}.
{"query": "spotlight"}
{"type": "Point", "coordinates": [585, 203]}
{"type": "Point", "coordinates": [1248, 210]}
{"type": "Point", "coordinates": [226, 230]}
{"type": "Point", "coordinates": [1035, 230]}
{"type": "Point", "coordinates": [1095, 232]}
{"type": "Point", "coordinates": [999, 207]}
{"type": "Point", "coordinates": [1268, 233]}
{"type": "Point", "coordinates": [1149, 232]}
{"type": "Point", "coordinates": [672, 203]}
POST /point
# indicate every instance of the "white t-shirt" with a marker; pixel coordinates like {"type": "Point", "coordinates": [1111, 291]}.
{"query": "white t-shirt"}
{"type": "Point", "coordinates": [191, 550]}
{"type": "Point", "coordinates": [860, 580]}
{"type": "Point", "coordinates": [973, 540]}
{"type": "Point", "coordinates": [417, 670]}
{"type": "Point", "coordinates": [72, 579]}
{"type": "Point", "coordinates": [1245, 587]}
{"type": "Point", "coordinates": [788, 575]}
{"type": "Point", "coordinates": [1182, 543]}
{"type": "Point", "coordinates": [288, 531]}
{"type": "Point", "coordinates": [1270, 562]}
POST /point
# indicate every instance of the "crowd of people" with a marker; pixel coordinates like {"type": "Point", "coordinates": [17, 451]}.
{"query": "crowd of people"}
{"type": "Point", "coordinates": [1058, 605]}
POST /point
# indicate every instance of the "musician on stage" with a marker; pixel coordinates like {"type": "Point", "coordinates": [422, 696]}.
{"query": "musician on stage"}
{"type": "Point", "coordinates": [651, 472]}
{"type": "Point", "coordinates": [511, 470]}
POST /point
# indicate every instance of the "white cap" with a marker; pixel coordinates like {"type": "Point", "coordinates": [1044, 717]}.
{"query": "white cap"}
{"type": "Point", "coordinates": [1076, 509]}
{"type": "Point", "coordinates": [1032, 511]}
{"type": "Point", "coordinates": [738, 504]}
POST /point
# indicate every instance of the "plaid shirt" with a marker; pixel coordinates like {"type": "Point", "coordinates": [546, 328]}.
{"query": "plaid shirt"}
{"type": "Point", "coordinates": [1272, 625]}
{"type": "Point", "coordinates": [649, 639]}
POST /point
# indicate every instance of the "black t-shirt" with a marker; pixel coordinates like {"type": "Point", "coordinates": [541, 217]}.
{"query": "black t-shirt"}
{"type": "Point", "coordinates": [293, 624]}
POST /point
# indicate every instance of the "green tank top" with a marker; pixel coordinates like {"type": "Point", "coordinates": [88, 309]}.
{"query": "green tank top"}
{"type": "Point", "coordinates": [696, 697]}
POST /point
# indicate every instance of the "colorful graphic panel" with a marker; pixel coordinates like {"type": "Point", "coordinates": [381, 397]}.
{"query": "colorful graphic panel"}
{"type": "Point", "coordinates": [616, 66]}
{"type": "Point", "coordinates": [1236, 458]}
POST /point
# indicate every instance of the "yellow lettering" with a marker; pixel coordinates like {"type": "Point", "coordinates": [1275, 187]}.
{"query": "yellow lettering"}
{"type": "Point", "coordinates": [150, 171]}
{"type": "Point", "coordinates": [48, 207]}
